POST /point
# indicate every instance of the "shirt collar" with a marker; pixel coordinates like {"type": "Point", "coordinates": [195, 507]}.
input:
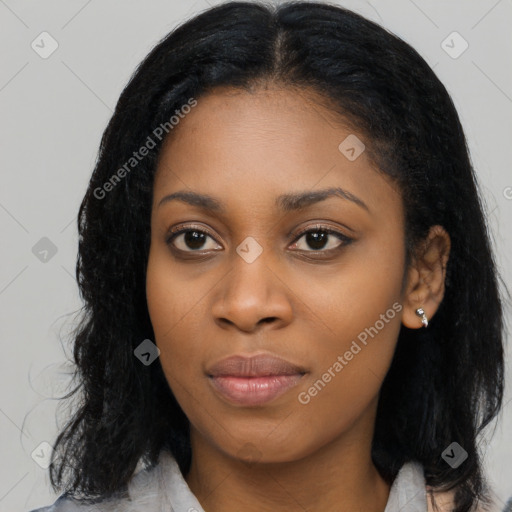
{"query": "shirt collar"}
{"type": "Point", "coordinates": [407, 493]}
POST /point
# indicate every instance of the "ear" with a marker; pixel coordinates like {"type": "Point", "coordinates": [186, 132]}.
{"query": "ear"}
{"type": "Point", "coordinates": [426, 277]}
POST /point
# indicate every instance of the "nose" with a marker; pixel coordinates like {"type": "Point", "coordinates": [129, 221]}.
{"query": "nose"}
{"type": "Point", "coordinates": [253, 295]}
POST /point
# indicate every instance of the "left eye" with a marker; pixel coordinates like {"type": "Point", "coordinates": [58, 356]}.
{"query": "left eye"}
{"type": "Point", "coordinates": [318, 238]}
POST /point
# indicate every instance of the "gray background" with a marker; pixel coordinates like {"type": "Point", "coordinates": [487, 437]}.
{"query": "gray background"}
{"type": "Point", "coordinates": [53, 112]}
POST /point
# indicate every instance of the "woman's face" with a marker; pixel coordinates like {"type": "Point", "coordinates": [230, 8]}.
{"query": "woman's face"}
{"type": "Point", "coordinates": [244, 280]}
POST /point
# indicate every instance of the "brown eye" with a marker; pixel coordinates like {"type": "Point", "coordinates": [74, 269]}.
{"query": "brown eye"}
{"type": "Point", "coordinates": [191, 239]}
{"type": "Point", "coordinates": [320, 239]}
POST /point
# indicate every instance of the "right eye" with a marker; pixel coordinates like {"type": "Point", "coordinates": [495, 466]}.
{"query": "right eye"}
{"type": "Point", "coordinates": [190, 239]}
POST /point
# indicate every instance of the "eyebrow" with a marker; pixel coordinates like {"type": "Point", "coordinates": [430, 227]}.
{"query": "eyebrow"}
{"type": "Point", "coordinates": [287, 202]}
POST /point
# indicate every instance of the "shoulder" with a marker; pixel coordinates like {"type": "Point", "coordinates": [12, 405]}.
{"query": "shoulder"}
{"type": "Point", "coordinates": [410, 487]}
{"type": "Point", "coordinates": [67, 504]}
{"type": "Point", "coordinates": [445, 502]}
{"type": "Point", "coordinates": [143, 493]}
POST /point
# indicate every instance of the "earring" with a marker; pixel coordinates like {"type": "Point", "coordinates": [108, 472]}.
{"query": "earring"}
{"type": "Point", "coordinates": [420, 312]}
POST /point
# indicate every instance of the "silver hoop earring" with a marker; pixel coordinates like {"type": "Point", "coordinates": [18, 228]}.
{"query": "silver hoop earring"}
{"type": "Point", "coordinates": [421, 313]}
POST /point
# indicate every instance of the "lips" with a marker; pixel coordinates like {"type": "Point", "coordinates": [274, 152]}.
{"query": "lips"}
{"type": "Point", "coordinates": [261, 365]}
{"type": "Point", "coordinates": [251, 381]}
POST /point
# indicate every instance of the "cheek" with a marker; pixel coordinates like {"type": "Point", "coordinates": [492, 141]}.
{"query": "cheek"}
{"type": "Point", "coordinates": [168, 302]}
{"type": "Point", "coordinates": [357, 313]}
{"type": "Point", "coordinates": [347, 298]}
{"type": "Point", "coordinates": [176, 315]}
{"type": "Point", "coordinates": [173, 299]}
{"type": "Point", "coordinates": [176, 310]}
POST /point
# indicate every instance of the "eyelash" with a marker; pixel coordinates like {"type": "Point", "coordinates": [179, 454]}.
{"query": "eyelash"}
{"type": "Point", "coordinates": [176, 231]}
{"type": "Point", "coordinates": [324, 229]}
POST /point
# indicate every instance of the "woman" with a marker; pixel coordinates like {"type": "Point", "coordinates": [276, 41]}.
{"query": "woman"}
{"type": "Point", "coordinates": [325, 348]}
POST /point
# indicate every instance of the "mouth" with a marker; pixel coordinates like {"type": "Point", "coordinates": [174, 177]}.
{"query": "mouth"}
{"type": "Point", "coordinates": [252, 381]}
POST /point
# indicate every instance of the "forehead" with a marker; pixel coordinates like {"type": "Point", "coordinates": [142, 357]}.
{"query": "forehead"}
{"type": "Point", "coordinates": [240, 146]}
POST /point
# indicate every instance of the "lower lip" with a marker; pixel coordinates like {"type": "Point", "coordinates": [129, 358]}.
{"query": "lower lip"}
{"type": "Point", "coordinates": [254, 390]}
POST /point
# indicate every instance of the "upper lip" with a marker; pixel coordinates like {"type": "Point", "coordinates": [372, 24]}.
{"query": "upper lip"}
{"type": "Point", "coordinates": [259, 365]}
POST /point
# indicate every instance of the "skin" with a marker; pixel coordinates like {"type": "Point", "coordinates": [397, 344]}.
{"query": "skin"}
{"type": "Point", "coordinates": [245, 149]}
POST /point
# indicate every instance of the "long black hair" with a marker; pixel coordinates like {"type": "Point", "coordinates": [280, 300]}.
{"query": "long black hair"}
{"type": "Point", "coordinates": [445, 383]}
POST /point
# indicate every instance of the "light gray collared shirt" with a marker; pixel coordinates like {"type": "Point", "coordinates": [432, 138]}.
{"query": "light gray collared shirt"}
{"type": "Point", "coordinates": [164, 489]}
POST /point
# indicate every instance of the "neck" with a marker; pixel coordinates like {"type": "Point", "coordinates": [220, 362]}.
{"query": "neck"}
{"type": "Point", "coordinates": [338, 477]}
